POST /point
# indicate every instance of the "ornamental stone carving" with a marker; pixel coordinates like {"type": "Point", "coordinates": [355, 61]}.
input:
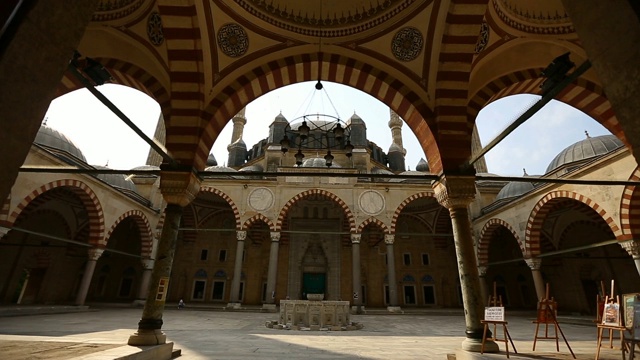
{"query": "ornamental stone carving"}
{"type": "Point", "coordinates": [275, 236]}
{"type": "Point", "coordinates": [261, 199]}
{"type": "Point", "coordinates": [534, 263]}
{"type": "Point", "coordinates": [407, 44]}
{"type": "Point", "coordinates": [371, 202]}
{"type": "Point", "coordinates": [241, 235]}
{"type": "Point", "coordinates": [389, 238]}
{"type": "Point", "coordinates": [154, 29]}
{"type": "Point", "coordinates": [483, 38]}
{"type": "Point", "coordinates": [355, 238]}
{"type": "Point", "coordinates": [632, 247]}
{"type": "Point", "coordinates": [455, 191]}
{"type": "Point", "coordinates": [233, 40]}
{"type": "Point", "coordinates": [179, 187]}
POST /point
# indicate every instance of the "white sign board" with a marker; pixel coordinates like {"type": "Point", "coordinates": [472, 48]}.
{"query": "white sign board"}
{"type": "Point", "coordinates": [494, 313]}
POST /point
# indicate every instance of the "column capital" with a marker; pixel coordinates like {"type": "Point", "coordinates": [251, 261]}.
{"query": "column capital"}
{"type": "Point", "coordinates": [241, 235]}
{"type": "Point", "coordinates": [455, 191]}
{"type": "Point", "coordinates": [389, 239]}
{"type": "Point", "coordinates": [534, 263]}
{"type": "Point", "coordinates": [632, 247]}
{"type": "Point", "coordinates": [482, 271]}
{"type": "Point", "coordinates": [179, 187]}
{"type": "Point", "coordinates": [355, 238]}
{"type": "Point", "coordinates": [275, 236]}
{"type": "Point", "coordinates": [147, 263]}
{"type": "Point", "coordinates": [94, 253]}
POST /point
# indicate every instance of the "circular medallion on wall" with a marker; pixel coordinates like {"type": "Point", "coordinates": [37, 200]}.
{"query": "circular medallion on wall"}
{"type": "Point", "coordinates": [407, 44]}
{"type": "Point", "coordinates": [154, 29]}
{"type": "Point", "coordinates": [371, 202]}
{"type": "Point", "coordinates": [260, 199]}
{"type": "Point", "coordinates": [233, 40]}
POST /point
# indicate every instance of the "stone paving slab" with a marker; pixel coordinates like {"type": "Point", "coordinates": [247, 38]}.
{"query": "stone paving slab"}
{"type": "Point", "coordinates": [205, 334]}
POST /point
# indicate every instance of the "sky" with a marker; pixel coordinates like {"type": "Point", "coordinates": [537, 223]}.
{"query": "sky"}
{"type": "Point", "coordinates": [105, 140]}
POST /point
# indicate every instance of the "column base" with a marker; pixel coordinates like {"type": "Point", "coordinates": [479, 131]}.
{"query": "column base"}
{"type": "Point", "coordinates": [234, 306]}
{"type": "Point", "coordinates": [475, 345]}
{"type": "Point", "coordinates": [394, 309]}
{"type": "Point", "coordinates": [147, 338]}
{"type": "Point", "coordinates": [355, 309]}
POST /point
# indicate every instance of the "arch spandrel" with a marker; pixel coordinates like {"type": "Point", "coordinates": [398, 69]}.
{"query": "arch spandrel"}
{"type": "Point", "coordinates": [629, 204]}
{"type": "Point", "coordinates": [373, 221]}
{"type": "Point", "coordinates": [544, 206]}
{"type": "Point", "coordinates": [258, 218]}
{"type": "Point", "coordinates": [486, 235]}
{"type": "Point", "coordinates": [404, 203]}
{"type": "Point", "coordinates": [228, 200]}
{"type": "Point", "coordinates": [350, 218]}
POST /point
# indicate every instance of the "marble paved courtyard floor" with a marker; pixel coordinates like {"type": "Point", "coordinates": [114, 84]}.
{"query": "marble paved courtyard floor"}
{"type": "Point", "coordinates": [206, 334]}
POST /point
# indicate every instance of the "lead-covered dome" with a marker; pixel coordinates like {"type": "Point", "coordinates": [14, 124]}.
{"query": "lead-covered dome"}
{"type": "Point", "coordinates": [120, 181]}
{"type": "Point", "coordinates": [318, 162]}
{"type": "Point", "coordinates": [585, 149]}
{"type": "Point", "coordinates": [54, 139]}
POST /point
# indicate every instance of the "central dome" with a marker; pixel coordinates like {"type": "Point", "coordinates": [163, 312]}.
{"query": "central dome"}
{"type": "Point", "coordinates": [56, 140]}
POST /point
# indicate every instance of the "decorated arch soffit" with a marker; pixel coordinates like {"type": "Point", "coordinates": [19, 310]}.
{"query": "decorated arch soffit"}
{"type": "Point", "coordinates": [425, 194]}
{"type": "Point", "coordinates": [487, 234]}
{"type": "Point", "coordinates": [373, 221]}
{"type": "Point", "coordinates": [258, 218]}
{"type": "Point", "coordinates": [349, 217]}
{"type": "Point", "coordinates": [202, 212]}
{"type": "Point", "coordinates": [141, 221]}
{"type": "Point", "coordinates": [88, 198]}
{"type": "Point", "coordinates": [542, 208]}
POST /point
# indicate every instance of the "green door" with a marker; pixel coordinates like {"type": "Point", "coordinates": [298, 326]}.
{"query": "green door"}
{"type": "Point", "coordinates": [313, 283]}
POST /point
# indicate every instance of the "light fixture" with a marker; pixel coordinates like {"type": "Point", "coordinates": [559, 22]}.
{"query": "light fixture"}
{"type": "Point", "coordinates": [315, 132]}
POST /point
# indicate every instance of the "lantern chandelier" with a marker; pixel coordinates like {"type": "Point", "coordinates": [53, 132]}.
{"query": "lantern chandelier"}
{"type": "Point", "coordinates": [315, 132]}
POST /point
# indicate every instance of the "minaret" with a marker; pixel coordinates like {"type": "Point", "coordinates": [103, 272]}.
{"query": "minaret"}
{"type": "Point", "coordinates": [396, 150]}
{"type": "Point", "coordinates": [160, 137]}
{"type": "Point", "coordinates": [237, 149]}
{"type": "Point", "coordinates": [476, 147]}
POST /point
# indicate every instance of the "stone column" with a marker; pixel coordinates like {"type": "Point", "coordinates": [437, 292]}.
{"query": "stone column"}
{"type": "Point", "coordinates": [391, 274]}
{"type": "Point", "coordinates": [273, 271]}
{"type": "Point", "coordinates": [147, 267]}
{"type": "Point", "coordinates": [237, 270]}
{"type": "Point", "coordinates": [355, 261]}
{"type": "Point", "coordinates": [456, 193]}
{"type": "Point", "coordinates": [633, 248]}
{"type": "Point", "coordinates": [535, 264]}
{"type": "Point", "coordinates": [94, 254]}
{"type": "Point", "coordinates": [484, 290]}
{"type": "Point", "coordinates": [179, 188]}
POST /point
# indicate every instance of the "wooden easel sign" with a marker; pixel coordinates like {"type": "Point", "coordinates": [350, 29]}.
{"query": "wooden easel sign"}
{"type": "Point", "coordinates": [611, 314]}
{"type": "Point", "coordinates": [494, 313]}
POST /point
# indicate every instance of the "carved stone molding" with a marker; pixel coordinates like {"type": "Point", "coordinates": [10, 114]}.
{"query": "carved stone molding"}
{"type": "Point", "coordinates": [94, 253]}
{"type": "Point", "coordinates": [355, 238]}
{"type": "Point", "coordinates": [482, 270]}
{"type": "Point", "coordinates": [455, 191]}
{"type": "Point", "coordinates": [179, 187]}
{"type": "Point", "coordinates": [275, 236]}
{"type": "Point", "coordinates": [389, 239]}
{"type": "Point", "coordinates": [632, 247]}
{"type": "Point", "coordinates": [241, 235]}
{"type": "Point", "coordinates": [534, 263]}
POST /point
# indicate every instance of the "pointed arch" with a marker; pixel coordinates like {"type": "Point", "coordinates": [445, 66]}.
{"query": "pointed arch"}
{"type": "Point", "coordinates": [541, 210]}
{"type": "Point", "coordinates": [373, 220]}
{"type": "Point", "coordinates": [629, 205]}
{"type": "Point", "coordinates": [257, 218]}
{"type": "Point", "coordinates": [403, 204]}
{"type": "Point", "coordinates": [486, 236]}
{"type": "Point", "coordinates": [86, 196]}
{"type": "Point", "coordinates": [297, 198]}
{"type": "Point", "coordinates": [146, 237]}
{"type": "Point", "coordinates": [227, 198]}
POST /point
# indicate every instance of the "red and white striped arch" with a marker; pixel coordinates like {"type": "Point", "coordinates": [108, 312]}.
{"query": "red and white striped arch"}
{"type": "Point", "coordinates": [258, 218]}
{"type": "Point", "coordinates": [541, 210]}
{"type": "Point", "coordinates": [487, 234]}
{"type": "Point", "coordinates": [86, 195]}
{"type": "Point", "coordinates": [327, 194]}
{"type": "Point", "coordinates": [146, 237]}
{"type": "Point", "coordinates": [630, 209]}
{"type": "Point", "coordinates": [403, 204]}
{"type": "Point", "coordinates": [225, 197]}
{"type": "Point", "coordinates": [373, 220]}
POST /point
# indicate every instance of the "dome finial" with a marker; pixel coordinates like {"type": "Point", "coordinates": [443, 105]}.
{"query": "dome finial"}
{"type": "Point", "coordinates": [587, 133]}
{"type": "Point", "coordinates": [525, 172]}
{"type": "Point", "coordinates": [45, 121]}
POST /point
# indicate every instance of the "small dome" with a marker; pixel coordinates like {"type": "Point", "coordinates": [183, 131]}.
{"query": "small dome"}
{"type": "Point", "coordinates": [211, 160]}
{"type": "Point", "coordinates": [252, 168]}
{"type": "Point", "coordinates": [318, 162]}
{"type": "Point", "coordinates": [220, 169]}
{"type": "Point", "coordinates": [280, 118]}
{"type": "Point", "coordinates": [146, 168]}
{"type": "Point", "coordinates": [585, 149]}
{"type": "Point", "coordinates": [54, 139]}
{"type": "Point", "coordinates": [395, 148]}
{"type": "Point", "coordinates": [116, 180]}
{"type": "Point", "coordinates": [409, 172]}
{"type": "Point", "coordinates": [422, 165]}
{"type": "Point", "coordinates": [355, 119]}
{"type": "Point", "coordinates": [514, 189]}
{"type": "Point", "coordinates": [381, 171]}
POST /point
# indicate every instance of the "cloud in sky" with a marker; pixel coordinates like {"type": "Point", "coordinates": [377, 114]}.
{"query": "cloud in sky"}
{"type": "Point", "coordinates": [104, 138]}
